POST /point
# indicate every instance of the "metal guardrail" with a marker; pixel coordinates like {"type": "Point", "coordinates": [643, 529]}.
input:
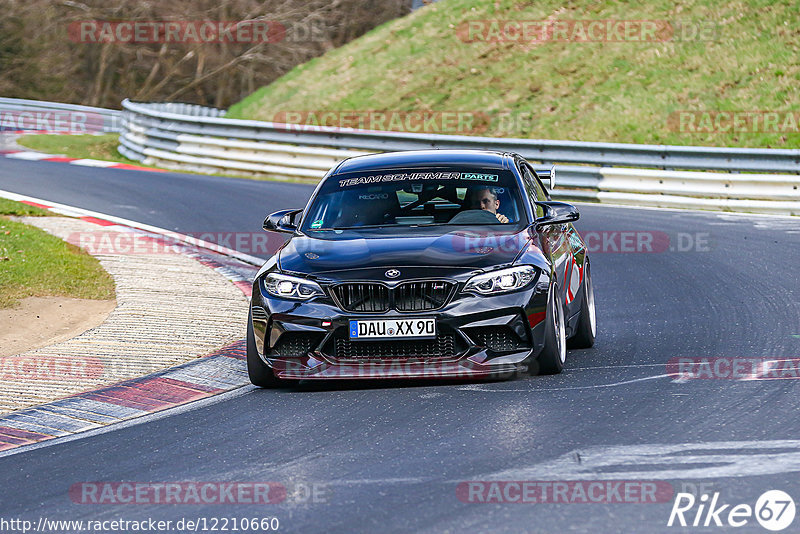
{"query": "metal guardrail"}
{"type": "Point", "coordinates": [201, 139]}
{"type": "Point", "coordinates": [546, 151]}
{"type": "Point", "coordinates": [17, 114]}
{"type": "Point", "coordinates": [198, 138]}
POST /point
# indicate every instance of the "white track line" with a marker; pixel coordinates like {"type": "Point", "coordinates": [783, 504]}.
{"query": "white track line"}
{"type": "Point", "coordinates": [482, 388]}
{"type": "Point", "coordinates": [80, 212]}
{"type": "Point", "coordinates": [30, 156]}
{"type": "Point", "coordinates": [631, 366]}
{"type": "Point", "coordinates": [93, 163]}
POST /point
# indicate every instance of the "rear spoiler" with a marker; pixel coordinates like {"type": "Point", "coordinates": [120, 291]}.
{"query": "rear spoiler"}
{"type": "Point", "coordinates": [547, 174]}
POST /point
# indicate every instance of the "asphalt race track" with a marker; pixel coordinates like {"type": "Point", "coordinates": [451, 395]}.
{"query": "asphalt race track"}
{"type": "Point", "coordinates": [389, 457]}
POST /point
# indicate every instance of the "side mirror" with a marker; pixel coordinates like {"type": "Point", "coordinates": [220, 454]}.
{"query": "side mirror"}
{"type": "Point", "coordinates": [557, 213]}
{"type": "Point", "coordinates": [282, 221]}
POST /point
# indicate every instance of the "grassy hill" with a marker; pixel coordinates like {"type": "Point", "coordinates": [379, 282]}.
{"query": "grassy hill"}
{"type": "Point", "coordinates": [709, 58]}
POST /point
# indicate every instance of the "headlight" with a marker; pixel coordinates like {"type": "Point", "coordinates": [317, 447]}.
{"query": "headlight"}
{"type": "Point", "coordinates": [291, 287]}
{"type": "Point", "coordinates": [501, 281]}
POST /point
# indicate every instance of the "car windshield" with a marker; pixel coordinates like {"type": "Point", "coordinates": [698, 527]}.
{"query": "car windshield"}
{"type": "Point", "coordinates": [414, 198]}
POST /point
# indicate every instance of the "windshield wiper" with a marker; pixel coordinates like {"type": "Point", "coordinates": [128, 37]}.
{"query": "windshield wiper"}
{"type": "Point", "coordinates": [419, 225]}
{"type": "Point", "coordinates": [356, 227]}
{"type": "Point", "coordinates": [457, 224]}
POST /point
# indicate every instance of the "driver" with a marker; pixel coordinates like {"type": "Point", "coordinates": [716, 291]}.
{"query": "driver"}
{"type": "Point", "coordinates": [486, 199]}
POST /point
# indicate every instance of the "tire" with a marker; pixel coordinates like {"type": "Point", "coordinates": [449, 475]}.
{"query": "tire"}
{"type": "Point", "coordinates": [586, 328]}
{"type": "Point", "coordinates": [554, 353]}
{"type": "Point", "coordinates": [260, 374]}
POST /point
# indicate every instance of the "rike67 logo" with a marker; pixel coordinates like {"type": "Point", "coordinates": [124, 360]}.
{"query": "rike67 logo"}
{"type": "Point", "coordinates": [774, 510]}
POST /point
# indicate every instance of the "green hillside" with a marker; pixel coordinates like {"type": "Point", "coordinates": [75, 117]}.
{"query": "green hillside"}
{"type": "Point", "coordinates": [677, 85]}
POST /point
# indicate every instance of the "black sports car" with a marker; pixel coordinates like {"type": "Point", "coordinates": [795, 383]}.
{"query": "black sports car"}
{"type": "Point", "coordinates": [438, 263]}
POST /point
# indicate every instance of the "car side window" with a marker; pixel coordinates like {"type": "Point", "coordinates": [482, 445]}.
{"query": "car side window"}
{"type": "Point", "coordinates": [534, 190]}
{"type": "Point", "coordinates": [541, 192]}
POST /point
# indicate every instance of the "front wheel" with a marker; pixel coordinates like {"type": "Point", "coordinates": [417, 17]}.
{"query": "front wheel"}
{"type": "Point", "coordinates": [554, 353]}
{"type": "Point", "coordinates": [587, 321]}
{"type": "Point", "coordinates": [260, 374]}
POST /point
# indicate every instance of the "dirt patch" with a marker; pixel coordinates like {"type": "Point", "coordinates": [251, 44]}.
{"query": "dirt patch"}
{"type": "Point", "coordinates": [42, 321]}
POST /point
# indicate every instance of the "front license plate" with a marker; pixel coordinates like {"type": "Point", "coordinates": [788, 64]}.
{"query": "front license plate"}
{"type": "Point", "coordinates": [393, 329]}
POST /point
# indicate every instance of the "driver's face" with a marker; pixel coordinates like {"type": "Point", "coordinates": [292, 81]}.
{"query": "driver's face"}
{"type": "Point", "coordinates": [487, 201]}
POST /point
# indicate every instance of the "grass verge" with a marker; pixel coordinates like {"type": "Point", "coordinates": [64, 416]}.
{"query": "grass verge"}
{"type": "Point", "coordinates": [102, 147]}
{"type": "Point", "coordinates": [35, 263]}
{"type": "Point", "coordinates": [9, 207]}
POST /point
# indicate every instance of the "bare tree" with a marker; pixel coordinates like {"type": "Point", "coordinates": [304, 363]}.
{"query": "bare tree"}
{"type": "Point", "coordinates": [40, 56]}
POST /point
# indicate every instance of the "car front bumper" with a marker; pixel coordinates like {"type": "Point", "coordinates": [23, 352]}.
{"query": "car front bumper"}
{"type": "Point", "coordinates": [477, 337]}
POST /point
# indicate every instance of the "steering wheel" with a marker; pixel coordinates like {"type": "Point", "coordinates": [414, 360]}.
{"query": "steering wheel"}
{"type": "Point", "coordinates": [474, 217]}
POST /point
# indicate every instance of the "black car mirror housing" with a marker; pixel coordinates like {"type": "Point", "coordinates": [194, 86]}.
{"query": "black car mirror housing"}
{"type": "Point", "coordinates": [282, 221]}
{"type": "Point", "coordinates": [557, 213]}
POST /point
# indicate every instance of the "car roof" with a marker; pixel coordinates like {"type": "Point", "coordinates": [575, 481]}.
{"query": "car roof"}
{"type": "Point", "coordinates": [425, 158]}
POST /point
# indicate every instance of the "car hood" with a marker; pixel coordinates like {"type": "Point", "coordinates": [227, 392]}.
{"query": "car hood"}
{"type": "Point", "coordinates": [467, 250]}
